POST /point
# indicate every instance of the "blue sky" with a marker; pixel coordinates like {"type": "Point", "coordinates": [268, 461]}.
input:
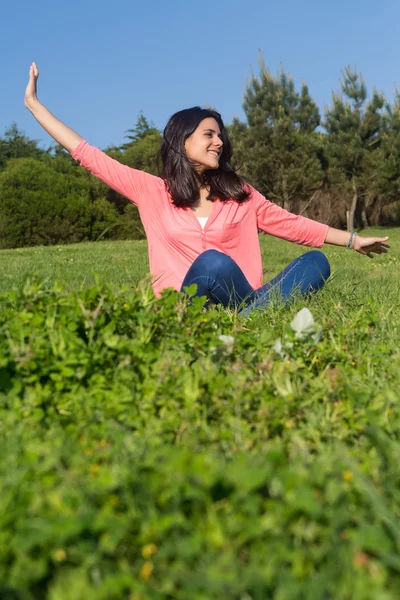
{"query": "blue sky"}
{"type": "Point", "coordinates": [102, 63]}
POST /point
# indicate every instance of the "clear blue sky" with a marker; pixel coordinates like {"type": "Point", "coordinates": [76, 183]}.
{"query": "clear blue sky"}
{"type": "Point", "coordinates": [103, 62]}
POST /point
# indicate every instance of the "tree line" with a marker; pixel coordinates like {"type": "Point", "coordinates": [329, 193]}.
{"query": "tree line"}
{"type": "Point", "coordinates": [342, 168]}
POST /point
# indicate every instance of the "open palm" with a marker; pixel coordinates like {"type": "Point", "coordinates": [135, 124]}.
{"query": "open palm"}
{"type": "Point", "coordinates": [31, 88]}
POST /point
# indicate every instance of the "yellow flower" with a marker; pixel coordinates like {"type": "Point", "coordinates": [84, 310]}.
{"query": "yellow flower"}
{"type": "Point", "coordinates": [59, 555]}
{"type": "Point", "coordinates": [126, 306]}
{"type": "Point", "coordinates": [146, 570]}
{"type": "Point", "coordinates": [148, 550]}
{"type": "Point", "coordinates": [348, 476]}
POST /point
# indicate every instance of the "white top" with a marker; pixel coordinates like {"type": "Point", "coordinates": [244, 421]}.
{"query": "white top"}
{"type": "Point", "coordinates": [202, 221]}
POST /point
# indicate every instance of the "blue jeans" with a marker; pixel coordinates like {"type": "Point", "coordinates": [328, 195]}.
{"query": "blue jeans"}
{"type": "Point", "coordinates": [222, 281]}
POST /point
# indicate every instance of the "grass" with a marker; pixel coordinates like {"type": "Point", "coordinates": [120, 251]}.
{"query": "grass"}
{"type": "Point", "coordinates": [146, 456]}
{"type": "Point", "coordinates": [125, 263]}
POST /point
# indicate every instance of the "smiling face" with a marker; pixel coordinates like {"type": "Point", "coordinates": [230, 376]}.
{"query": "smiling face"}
{"type": "Point", "coordinates": [204, 146]}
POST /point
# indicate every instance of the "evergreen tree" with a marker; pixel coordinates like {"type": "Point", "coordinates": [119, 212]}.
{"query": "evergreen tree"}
{"type": "Point", "coordinates": [141, 130]}
{"type": "Point", "coordinates": [354, 125]}
{"type": "Point", "coordinates": [277, 149]}
{"type": "Point", "coordinates": [15, 144]}
{"type": "Point", "coordinates": [388, 180]}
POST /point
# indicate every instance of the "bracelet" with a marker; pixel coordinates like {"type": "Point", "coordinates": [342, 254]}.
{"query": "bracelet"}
{"type": "Point", "coordinates": [352, 240]}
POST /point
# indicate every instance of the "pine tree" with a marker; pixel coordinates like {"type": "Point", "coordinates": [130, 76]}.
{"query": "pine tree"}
{"type": "Point", "coordinates": [388, 181]}
{"type": "Point", "coordinates": [278, 149]}
{"type": "Point", "coordinates": [15, 144]}
{"type": "Point", "coordinates": [139, 131]}
{"type": "Point", "coordinates": [354, 125]}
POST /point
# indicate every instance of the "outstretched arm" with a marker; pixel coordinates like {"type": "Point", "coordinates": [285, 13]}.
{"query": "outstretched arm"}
{"type": "Point", "coordinates": [363, 245]}
{"type": "Point", "coordinates": [65, 136]}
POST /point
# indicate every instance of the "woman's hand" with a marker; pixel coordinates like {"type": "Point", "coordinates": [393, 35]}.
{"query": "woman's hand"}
{"type": "Point", "coordinates": [31, 88]}
{"type": "Point", "coordinates": [370, 245]}
{"type": "Point", "coordinates": [63, 135]}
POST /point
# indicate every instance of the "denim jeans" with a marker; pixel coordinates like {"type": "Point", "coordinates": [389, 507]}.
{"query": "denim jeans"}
{"type": "Point", "coordinates": [222, 281]}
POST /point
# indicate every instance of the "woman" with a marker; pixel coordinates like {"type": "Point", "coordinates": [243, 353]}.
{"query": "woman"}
{"type": "Point", "coordinates": [201, 219]}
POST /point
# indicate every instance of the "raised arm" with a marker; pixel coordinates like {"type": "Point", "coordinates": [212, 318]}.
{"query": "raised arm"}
{"type": "Point", "coordinates": [134, 184]}
{"type": "Point", "coordinates": [65, 136]}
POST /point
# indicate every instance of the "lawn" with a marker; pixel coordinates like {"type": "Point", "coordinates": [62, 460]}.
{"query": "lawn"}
{"type": "Point", "coordinates": [125, 263]}
{"type": "Point", "coordinates": [153, 450]}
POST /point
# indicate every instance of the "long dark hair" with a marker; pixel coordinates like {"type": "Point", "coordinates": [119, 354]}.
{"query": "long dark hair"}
{"type": "Point", "coordinates": [182, 179]}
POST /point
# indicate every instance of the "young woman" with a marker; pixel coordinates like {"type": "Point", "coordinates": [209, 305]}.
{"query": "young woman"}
{"type": "Point", "coordinates": [201, 219]}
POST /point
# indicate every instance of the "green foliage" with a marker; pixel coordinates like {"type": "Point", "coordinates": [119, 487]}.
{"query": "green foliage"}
{"type": "Point", "coordinates": [141, 130]}
{"type": "Point", "coordinates": [142, 152]}
{"type": "Point", "coordinates": [52, 202]}
{"type": "Point", "coordinates": [354, 126]}
{"type": "Point", "coordinates": [15, 144]}
{"type": "Point", "coordinates": [39, 205]}
{"type": "Point", "coordinates": [152, 449]}
{"type": "Point", "coordinates": [278, 149]}
{"type": "Point", "coordinates": [143, 149]}
{"type": "Point", "coordinates": [387, 181]}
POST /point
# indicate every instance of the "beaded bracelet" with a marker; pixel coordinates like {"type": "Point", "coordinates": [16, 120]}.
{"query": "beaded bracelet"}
{"type": "Point", "coordinates": [352, 240]}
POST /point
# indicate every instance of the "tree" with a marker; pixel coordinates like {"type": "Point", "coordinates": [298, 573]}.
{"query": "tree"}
{"type": "Point", "coordinates": [277, 149]}
{"type": "Point", "coordinates": [15, 144]}
{"type": "Point", "coordinates": [142, 152]}
{"type": "Point", "coordinates": [139, 131]}
{"type": "Point", "coordinates": [354, 126]}
{"type": "Point", "coordinates": [388, 180]}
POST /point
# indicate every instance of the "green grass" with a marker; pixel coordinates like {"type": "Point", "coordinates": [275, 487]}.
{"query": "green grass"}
{"type": "Point", "coordinates": [143, 457]}
{"type": "Point", "coordinates": [125, 263]}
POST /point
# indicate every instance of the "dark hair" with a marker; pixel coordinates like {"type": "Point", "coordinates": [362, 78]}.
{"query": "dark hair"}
{"type": "Point", "coordinates": [182, 179]}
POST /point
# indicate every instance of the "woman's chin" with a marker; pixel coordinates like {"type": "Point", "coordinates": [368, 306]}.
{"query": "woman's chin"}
{"type": "Point", "coordinates": [213, 165]}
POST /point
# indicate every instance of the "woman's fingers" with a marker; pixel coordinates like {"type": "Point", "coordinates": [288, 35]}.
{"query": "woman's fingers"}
{"type": "Point", "coordinates": [31, 88]}
{"type": "Point", "coordinates": [368, 246]}
{"type": "Point", "coordinates": [373, 244]}
{"type": "Point", "coordinates": [33, 71]}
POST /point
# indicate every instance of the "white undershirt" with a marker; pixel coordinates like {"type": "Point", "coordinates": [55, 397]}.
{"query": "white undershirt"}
{"type": "Point", "coordinates": [202, 221]}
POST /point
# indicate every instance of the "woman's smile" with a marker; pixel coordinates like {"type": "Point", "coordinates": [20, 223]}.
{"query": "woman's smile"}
{"type": "Point", "coordinates": [204, 146]}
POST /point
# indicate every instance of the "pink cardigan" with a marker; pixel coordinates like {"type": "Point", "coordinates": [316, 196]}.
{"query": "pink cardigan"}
{"type": "Point", "coordinates": [175, 236]}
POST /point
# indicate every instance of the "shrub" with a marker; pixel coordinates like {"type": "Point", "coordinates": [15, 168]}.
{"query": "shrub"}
{"type": "Point", "coordinates": [150, 449]}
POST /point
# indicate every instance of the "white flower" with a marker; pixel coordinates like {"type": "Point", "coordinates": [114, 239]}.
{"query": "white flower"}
{"type": "Point", "coordinates": [303, 323]}
{"type": "Point", "coordinates": [277, 347]}
{"type": "Point", "coordinates": [228, 342]}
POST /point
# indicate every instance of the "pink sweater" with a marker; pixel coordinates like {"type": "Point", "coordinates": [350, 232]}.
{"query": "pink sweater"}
{"type": "Point", "coordinates": [175, 236]}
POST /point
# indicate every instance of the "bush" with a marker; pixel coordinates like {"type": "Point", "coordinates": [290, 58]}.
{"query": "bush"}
{"type": "Point", "coordinates": [50, 202]}
{"type": "Point", "coordinates": [152, 450]}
